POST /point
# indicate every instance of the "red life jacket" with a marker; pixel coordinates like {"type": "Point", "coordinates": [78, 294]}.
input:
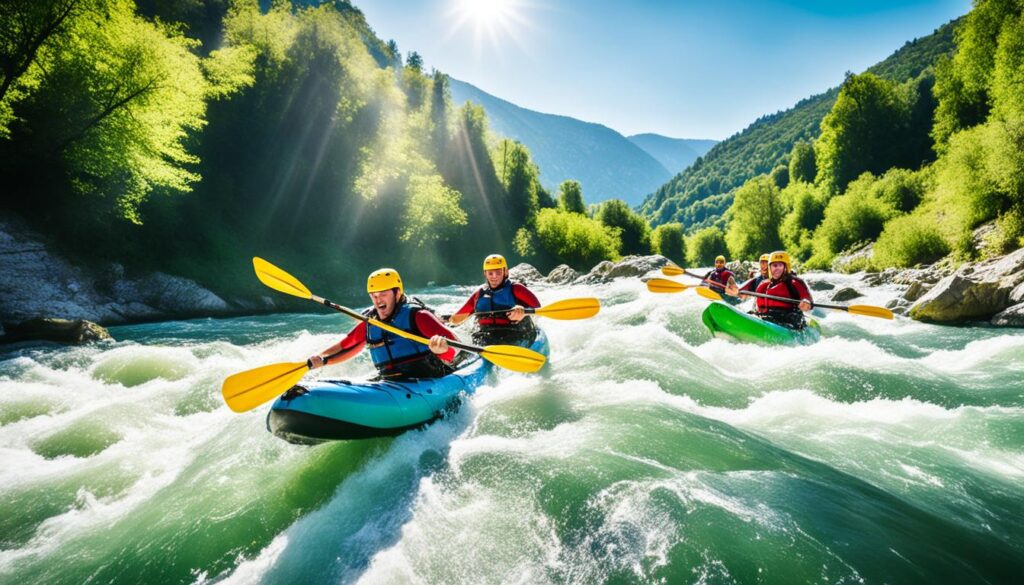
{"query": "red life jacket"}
{"type": "Point", "coordinates": [788, 286]}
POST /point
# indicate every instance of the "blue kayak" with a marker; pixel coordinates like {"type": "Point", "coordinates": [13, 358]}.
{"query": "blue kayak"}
{"type": "Point", "coordinates": [340, 409]}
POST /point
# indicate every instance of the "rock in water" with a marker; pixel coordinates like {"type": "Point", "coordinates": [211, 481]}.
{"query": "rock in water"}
{"type": "Point", "coordinates": [60, 330]}
{"type": "Point", "coordinates": [1012, 317]}
{"type": "Point", "coordinates": [845, 294]}
{"type": "Point", "coordinates": [562, 274]}
{"type": "Point", "coordinates": [975, 291]}
{"type": "Point", "coordinates": [525, 273]}
{"type": "Point", "coordinates": [630, 266]}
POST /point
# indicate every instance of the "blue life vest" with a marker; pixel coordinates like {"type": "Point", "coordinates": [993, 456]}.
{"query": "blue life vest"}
{"type": "Point", "coordinates": [388, 350]}
{"type": "Point", "coordinates": [495, 299]}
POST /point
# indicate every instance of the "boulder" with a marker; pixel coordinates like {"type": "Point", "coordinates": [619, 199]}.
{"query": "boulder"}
{"type": "Point", "coordinates": [630, 266]}
{"type": "Point", "coordinates": [562, 274]}
{"type": "Point", "coordinates": [525, 273]}
{"type": "Point", "coordinates": [819, 285]}
{"type": "Point", "coordinates": [1011, 317]}
{"type": "Point", "coordinates": [76, 331]}
{"type": "Point", "coordinates": [898, 306]}
{"type": "Point", "coordinates": [877, 278]}
{"type": "Point", "coordinates": [845, 294]}
{"type": "Point", "coordinates": [975, 291]}
{"type": "Point", "coordinates": [916, 291]}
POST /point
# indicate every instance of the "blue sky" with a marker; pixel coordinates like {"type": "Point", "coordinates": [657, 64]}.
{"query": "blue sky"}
{"type": "Point", "coordinates": [687, 69]}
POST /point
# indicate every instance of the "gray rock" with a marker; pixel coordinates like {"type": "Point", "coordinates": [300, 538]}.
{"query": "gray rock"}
{"type": "Point", "coordinates": [525, 273]}
{"type": "Point", "coordinates": [819, 285]}
{"type": "Point", "coordinates": [562, 274]}
{"type": "Point", "coordinates": [630, 266]}
{"type": "Point", "coordinates": [916, 291]}
{"type": "Point", "coordinates": [853, 261]}
{"type": "Point", "coordinates": [975, 291]}
{"type": "Point", "coordinates": [1011, 317]}
{"type": "Point", "coordinates": [878, 278]}
{"type": "Point", "coordinates": [845, 294]}
{"type": "Point", "coordinates": [60, 330]}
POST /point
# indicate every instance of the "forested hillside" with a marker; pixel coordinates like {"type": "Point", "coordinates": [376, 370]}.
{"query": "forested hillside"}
{"type": "Point", "coordinates": [700, 195]}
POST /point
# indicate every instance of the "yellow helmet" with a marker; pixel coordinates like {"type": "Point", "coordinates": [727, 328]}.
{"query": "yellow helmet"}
{"type": "Point", "coordinates": [719, 259]}
{"type": "Point", "coordinates": [384, 279]}
{"type": "Point", "coordinates": [495, 262]}
{"type": "Point", "coordinates": [765, 257]}
{"type": "Point", "coordinates": [780, 256]}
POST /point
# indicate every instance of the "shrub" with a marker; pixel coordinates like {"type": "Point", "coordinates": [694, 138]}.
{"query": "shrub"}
{"type": "Point", "coordinates": [635, 233]}
{"type": "Point", "coordinates": [704, 245]}
{"type": "Point", "coordinates": [854, 217]}
{"type": "Point", "coordinates": [807, 209]}
{"type": "Point", "coordinates": [576, 239]}
{"type": "Point", "coordinates": [667, 240]}
{"type": "Point", "coordinates": [909, 240]}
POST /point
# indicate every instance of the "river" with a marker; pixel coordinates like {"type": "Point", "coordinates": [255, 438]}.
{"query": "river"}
{"type": "Point", "coordinates": [647, 451]}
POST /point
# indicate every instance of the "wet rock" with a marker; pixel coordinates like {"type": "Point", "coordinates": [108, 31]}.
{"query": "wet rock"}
{"type": "Point", "coordinates": [878, 278]}
{"type": "Point", "coordinates": [562, 274]}
{"type": "Point", "coordinates": [76, 331]}
{"type": "Point", "coordinates": [845, 294]}
{"type": "Point", "coordinates": [975, 291]}
{"type": "Point", "coordinates": [525, 273]}
{"type": "Point", "coordinates": [1011, 317]}
{"type": "Point", "coordinates": [819, 285]}
{"type": "Point", "coordinates": [898, 306]}
{"type": "Point", "coordinates": [916, 291]}
{"type": "Point", "coordinates": [630, 266]}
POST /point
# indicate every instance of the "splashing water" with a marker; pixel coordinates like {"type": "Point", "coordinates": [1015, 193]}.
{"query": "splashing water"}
{"type": "Point", "coordinates": [891, 451]}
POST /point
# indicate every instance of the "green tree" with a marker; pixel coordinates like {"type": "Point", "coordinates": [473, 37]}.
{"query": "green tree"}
{"type": "Point", "coordinates": [756, 215]}
{"type": "Point", "coordinates": [520, 177]}
{"type": "Point", "coordinates": [414, 61]}
{"type": "Point", "coordinates": [576, 239]}
{"type": "Point", "coordinates": [704, 245]}
{"type": "Point", "coordinates": [807, 209]}
{"type": "Point", "coordinates": [780, 176]}
{"type": "Point", "coordinates": [855, 217]}
{"type": "Point", "coordinates": [432, 211]}
{"type": "Point", "coordinates": [634, 232]}
{"type": "Point", "coordinates": [570, 196]}
{"type": "Point", "coordinates": [667, 240]}
{"type": "Point", "coordinates": [801, 163]}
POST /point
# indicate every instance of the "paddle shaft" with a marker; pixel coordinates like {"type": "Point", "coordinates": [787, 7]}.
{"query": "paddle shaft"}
{"type": "Point", "coordinates": [386, 327]}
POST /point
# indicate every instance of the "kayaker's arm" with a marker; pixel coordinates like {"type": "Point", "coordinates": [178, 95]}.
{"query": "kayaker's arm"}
{"type": "Point", "coordinates": [429, 326]}
{"type": "Point", "coordinates": [806, 301]}
{"type": "Point", "coordinates": [349, 346]}
{"type": "Point", "coordinates": [466, 311]}
{"type": "Point", "coordinates": [524, 298]}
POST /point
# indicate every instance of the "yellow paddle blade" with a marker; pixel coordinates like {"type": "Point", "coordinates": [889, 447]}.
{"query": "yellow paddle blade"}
{"type": "Point", "coordinates": [707, 293]}
{"type": "Point", "coordinates": [247, 390]}
{"type": "Point", "coordinates": [569, 309]}
{"type": "Point", "coordinates": [513, 357]}
{"type": "Point", "coordinates": [672, 270]}
{"type": "Point", "coordinates": [278, 279]}
{"type": "Point", "coordinates": [661, 285]}
{"type": "Point", "coordinates": [870, 311]}
{"type": "Point", "coordinates": [459, 319]}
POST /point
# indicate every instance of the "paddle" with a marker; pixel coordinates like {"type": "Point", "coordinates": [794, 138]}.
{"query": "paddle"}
{"type": "Point", "coordinates": [866, 310]}
{"type": "Point", "coordinates": [661, 285]}
{"type": "Point", "coordinates": [512, 357]}
{"type": "Point", "coordinates": [565, 310]}
{"type": "Point", "coordinates": [247, 390]}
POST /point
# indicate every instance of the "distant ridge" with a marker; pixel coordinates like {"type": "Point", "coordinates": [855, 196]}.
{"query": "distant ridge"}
{"type": "Point", "coordinates": [606, 163]}
{"type": "Point", "coordinates": [675, 154]}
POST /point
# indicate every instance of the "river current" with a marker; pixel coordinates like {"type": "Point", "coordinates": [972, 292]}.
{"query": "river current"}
{"type": "Point", "coordinates": [647, 451]}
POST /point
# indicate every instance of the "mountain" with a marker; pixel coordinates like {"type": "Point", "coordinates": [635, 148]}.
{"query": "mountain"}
{"type": "Point", "coordinates": [699, 195]}
{"type": "Point", "coordinates": [606, 163]}
{"type": "Point", "coordinates": [675, 154]}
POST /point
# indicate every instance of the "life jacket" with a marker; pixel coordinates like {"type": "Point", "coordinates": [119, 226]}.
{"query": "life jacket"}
{"type": "Point", "coordinates": [390, 352]}
{"type": "Point", "coordinates": [719, 276]}
{"type": "Point", "coordinates": [782, 313]}
{"type": "Point", "coordinates": [495, 299]}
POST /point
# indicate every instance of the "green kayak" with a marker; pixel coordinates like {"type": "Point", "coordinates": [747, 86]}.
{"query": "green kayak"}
{"type": "Point", "coordinates": [726, 320]}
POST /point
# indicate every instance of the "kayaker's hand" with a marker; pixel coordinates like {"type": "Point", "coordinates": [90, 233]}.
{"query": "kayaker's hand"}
{"type": "Point", "coordinates": [315, 361]}
{"type": "Point", "coordinates": [805, 305]}
{"type": "Point", "coordinates": [438, 344]}
{"type": "Point", "coordinates": [732, 290]}
{"type": "Point", "coordinates": [516, 314]}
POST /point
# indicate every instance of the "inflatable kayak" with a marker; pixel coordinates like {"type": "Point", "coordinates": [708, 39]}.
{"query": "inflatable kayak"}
{"type": "Point", "coordinates": [322, 410]}
{"type": "Point", "coordinates": [725, 320]}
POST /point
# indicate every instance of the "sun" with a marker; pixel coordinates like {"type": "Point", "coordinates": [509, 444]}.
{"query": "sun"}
{"type": "Point", "coordinates": [492, 23]}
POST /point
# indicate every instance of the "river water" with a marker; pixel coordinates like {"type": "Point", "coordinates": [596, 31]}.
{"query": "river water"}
{"type": "Point", "coordinates": [647, 451]}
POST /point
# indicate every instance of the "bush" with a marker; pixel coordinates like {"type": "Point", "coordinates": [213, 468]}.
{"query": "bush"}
{"type": "Point", "coordinates": [855, 217]}
{"type": "Point", "coordinates": [704, 245]}
{"type": "Point", "coordinates": [756, 213]}
{"type": "Point", "coordinates": [635, 233]}
{"type": "Point", "coordinates": [570, 196]}
{"type": "Point", "coordinates": [807, 209]}
{"type": "Point", "coordinates": [576, 239]}
{"type": "Point", "coordinates": [667, 240]}
{"type": "Point", "coordinates": [907, 241]}
{"type": "Point", "coordinates": [900, 189]}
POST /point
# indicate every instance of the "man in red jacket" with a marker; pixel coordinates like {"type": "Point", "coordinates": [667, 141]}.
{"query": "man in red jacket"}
{"type": "Point", "coordinates": [498, 306]}
{"type": "Point", "coordinates": [783, 283]}
{"type": "Point", "coordinates": [394, 356]}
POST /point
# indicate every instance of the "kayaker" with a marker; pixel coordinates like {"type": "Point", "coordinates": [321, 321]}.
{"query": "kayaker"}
{"type": "Point", "coordinates": [499, 293]}
{"type": "Point", "coordinates": [783, 283]}
{"type": "Point", "coordinates": [721, 274]}
{"type": "Point", "coordinates": [755, 280]}
{"type": "Point", "coordinates": [394, 356]}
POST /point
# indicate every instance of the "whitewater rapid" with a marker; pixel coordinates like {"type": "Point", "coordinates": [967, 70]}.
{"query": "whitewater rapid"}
{"type": "Point", "coordinates": [891, 451]}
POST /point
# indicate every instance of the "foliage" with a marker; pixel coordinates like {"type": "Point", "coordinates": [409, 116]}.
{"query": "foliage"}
{"type": "Point", "coordinates": [570, 197]}
{"type": "Point", "coordinates": [780, 176]}
{"type": "Point", "coordinates": [576, 239]}
{"type": "Point", "coordinates": [907, 241]}
{"type": "Point", "coordinates": [635, 234]}
{"type": "Point", "coordinates": [432, 211]}
{"type": "Point", "coordinates": [704, 245]}
{"type": "Point", "coordinates": [852, 218]}
{"type": "Point", "coordinates": [802, 166]}
{"type": "Point", "coordinates": [806, 205]}
{"type": "Point", "coordinates": [756, 214]}
{"type": "Point", "coordinates": [667, 240]}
